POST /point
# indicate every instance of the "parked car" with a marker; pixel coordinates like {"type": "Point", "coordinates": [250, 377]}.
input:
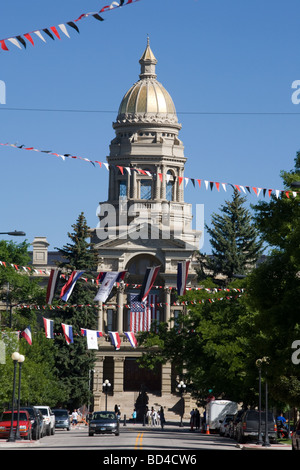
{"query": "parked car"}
{"type": "Point", "coordinates": [49, 419]}
{"type": "Point", "coordinates": [37, 422]}
{"type": "Point", "coordinates": [25, 425]}
{"type": "Point", "coordinates": [233, 424]}
{"type": "Point", "coordinates": [247, 428]}
{"type": "Point", "coordinates": [104, 422]}
{"type": "Point", "coordinates": [62, 418]}
{"type": "Point", "coordinates": [224, 425]}
{"type": "Point", "coordinates": [296, 437]}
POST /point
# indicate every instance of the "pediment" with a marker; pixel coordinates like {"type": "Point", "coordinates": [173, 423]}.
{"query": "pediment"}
{"type": "Point", "coordinates": [148, 237]}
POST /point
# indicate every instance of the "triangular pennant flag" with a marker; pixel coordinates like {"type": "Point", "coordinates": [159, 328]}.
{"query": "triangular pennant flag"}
{"type": "Point", "coordinates": [39, 34]}
{"type": "Point", "coordinates": [54, 30]}
{"type": "Point", "coordinates": [73, 25]}
{"type": "Point", "coordinates": [48, 33]}
{"type": "Point", "coordinates": [21, 40]}
{"type": "Point", "coordinates": [3, 45]}
{"type": "Point", "coordinates": [15, 42]}
{"type": "Point", "coordinates": [63, 29]}
{"type": "Point", "coordinates": [180, 178]}
{"type": "Point", "coordinates": [27, 36]}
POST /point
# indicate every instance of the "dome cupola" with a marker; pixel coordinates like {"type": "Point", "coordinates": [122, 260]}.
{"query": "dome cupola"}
{"type": "Point", "coordinates": [147, 100]}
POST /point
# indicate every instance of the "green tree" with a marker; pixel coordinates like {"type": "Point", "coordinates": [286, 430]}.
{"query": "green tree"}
{"type": "Point", "coordinates": [209, 346]}
{"type": "Point", "coordinates": [74, 361]}
{"type": "Point", "coordinates": [16, 284]}
{"type": "Point", "coordinates": [274, 288]}
{"type": "Point", "coordinates": [234, 240]}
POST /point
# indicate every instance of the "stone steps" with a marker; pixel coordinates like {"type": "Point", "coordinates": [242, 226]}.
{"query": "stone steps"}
{"type": "Point", "coordinates": [129, 400]}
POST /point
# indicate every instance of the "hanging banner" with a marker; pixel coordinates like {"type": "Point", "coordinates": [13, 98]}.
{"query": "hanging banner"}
{"type": "Point", "coordinates": [26, 334]}
{"type": "Point", "coordinates": [48, 325]}
{"type": "Point", "coordinates": [70, 284]}
{"type": "Point", "coordinates": [92, 337]}
{"type": "Point", "coordinates": [148, 282]}
{"type": "Point", "coordinates": [182, 275]}
{"type": "Point", "coordinates": [108, 280]}
{"type": "Point", "coordinates": [68, 332]}
{"type": "Point", "coordinates": [52, 284]}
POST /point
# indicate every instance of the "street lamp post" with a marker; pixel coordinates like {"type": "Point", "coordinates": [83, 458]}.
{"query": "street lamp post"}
{"type": "Point", "coordinates": [16, 233]}
{"type": "Point", "coordinates": [266, 442]}
{"type": "Point", "coordinates": [20, 361]}
{"type": "Point", "coordinates": [106, 385]}
{"type": "Point", "coordinates": [260, 440]}
{"type": "Point", "coordinates": [15, 357]}
{"type": "Point", "coordinates": [181, 387]}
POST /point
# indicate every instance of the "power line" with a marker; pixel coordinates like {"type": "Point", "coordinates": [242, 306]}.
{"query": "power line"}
{"type": "Point", "coordinates": [178, 112]}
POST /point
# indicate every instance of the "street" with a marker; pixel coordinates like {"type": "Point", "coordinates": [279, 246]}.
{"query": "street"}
{"type": "Point", "coordinates": [173, 439]}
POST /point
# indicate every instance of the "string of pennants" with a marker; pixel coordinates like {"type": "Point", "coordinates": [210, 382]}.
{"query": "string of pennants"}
{"type": "Point", "coordinates": [93, 335]}
{"type": "Point", "coordinates": [68, 332]}
{"type": "Point", "coordinates": [243, 189]}
{"type": "Point", "coordinates": [54, 32]}
{"type": "Point", "coordinates": [30, 269]}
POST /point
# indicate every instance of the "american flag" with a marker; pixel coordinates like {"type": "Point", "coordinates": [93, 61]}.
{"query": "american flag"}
{"type": "Point", "coordinates": [142, 313]}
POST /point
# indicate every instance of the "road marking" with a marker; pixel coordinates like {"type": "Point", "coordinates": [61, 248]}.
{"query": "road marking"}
{"type": "Point", "coordinates": [139, 441]}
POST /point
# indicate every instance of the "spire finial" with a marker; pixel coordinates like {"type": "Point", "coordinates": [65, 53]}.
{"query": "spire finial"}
{"type": "Point", "coordinates": [148, 62]}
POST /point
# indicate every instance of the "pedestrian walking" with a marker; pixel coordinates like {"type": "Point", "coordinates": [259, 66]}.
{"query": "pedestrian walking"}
{"type": "Point", "coordinates": [162, 417]}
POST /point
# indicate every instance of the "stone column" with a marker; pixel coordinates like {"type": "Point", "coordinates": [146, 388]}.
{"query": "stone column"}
{"type": "Point", "coordinates": [120, 294]}
{"type": "Point", "coordinates": [167, 309]}
{"type": "Point", "coordinates": [119, 373]}
{"type": "Point", "coordinates": [98, 381]}
{"type": "Point", "coordinates": [100, 316]}
{"type": "Point", "coordinates": [166, 375]}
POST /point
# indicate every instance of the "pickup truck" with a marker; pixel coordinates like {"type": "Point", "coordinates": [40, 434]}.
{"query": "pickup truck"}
{"type": "Point", "coordinates": [49, 419]}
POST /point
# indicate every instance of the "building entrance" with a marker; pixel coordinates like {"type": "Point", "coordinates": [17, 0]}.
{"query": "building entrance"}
{"type": "Point", "coordinates": [137, 378]}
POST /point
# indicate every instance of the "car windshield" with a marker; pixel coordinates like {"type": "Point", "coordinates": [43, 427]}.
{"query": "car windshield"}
{"type": "Point", "coordinates": [43, 411]}
{"type": "Point", "coordinates": [59, 413]}
{"type": "Point", "coordinates": [104, 415]}
{"type": "Point", "coordinates": [7, 416]}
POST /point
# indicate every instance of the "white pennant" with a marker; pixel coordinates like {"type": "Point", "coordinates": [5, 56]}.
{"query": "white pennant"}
{"type": "Point", "coordinates": [64, 29]}
{"type": "Point", "coordinates": [38, 33]}
{"type": "Point", "coordinates": [15, 42]}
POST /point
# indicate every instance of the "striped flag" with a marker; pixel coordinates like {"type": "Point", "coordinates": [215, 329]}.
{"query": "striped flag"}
{"type": "Point", "coordinates": [182, 274]}
{"type": "Point", "coordinates": [27, 335]}
{"type": "Point", "coordinates": [52, 284]}
{"type": "Point", "coordinates": [70, 284]}
{"type": "Point", "coordinates": [148, 281]}
{"type": "Point", "coordinates": [140, 315]}
{"type": "Point", "coordinates": [132, 338]}
{"type": "Point", "coordinates": [115, 339]}
{"type": "Point", "coordinates": [68, 332]}
{"type": "Point", "coordinates": [48, 325]}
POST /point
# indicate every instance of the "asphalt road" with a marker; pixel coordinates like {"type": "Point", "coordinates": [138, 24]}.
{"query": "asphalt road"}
{"type": "Point", "coordinates": [172, 441]}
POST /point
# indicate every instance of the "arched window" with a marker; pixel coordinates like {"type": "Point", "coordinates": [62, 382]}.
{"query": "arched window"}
{"type": "Point", "coordinates": [170, 186]}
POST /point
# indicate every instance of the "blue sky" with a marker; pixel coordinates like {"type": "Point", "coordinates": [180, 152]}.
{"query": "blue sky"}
{"type": "Point", "coordinates": [228, 66]}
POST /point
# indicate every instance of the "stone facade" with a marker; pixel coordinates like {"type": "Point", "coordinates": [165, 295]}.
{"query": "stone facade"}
{"type": "Point", "coordinates": [144, 222]}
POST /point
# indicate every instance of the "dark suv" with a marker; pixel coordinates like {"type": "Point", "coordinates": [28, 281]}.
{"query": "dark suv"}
{"type": "Point", "coordinates": [247, 427]}
{"type": "Point", "coordinates": [36, 422]}
{"type": "Point", "coordinates": [62, 419]}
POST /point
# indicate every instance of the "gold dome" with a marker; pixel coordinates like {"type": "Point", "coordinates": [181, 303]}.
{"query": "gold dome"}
{"type": "Point", "coordinates": [147, 98]}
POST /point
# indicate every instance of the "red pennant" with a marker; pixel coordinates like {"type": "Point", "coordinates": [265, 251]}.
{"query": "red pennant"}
{"type": "Point", "coordinates": [237, 187]}
{"type": "Point", "coordinates": [270, 191]}
{"type": "Point", "coordinates": [199, 182]}
{"type": "Point", "coordinates": [255, 190]}
{"type": "Point", "coordinates": [180, 178]}
{"type": "Point", "coordinates": [218, 186]}
{"type": "Point", "coordinates": [160, 176]}
{"type": "Point", "coordinates": [54, 30]}
{"type": "Point", "coordinates": [287, 194]}
{"type": "Point", "coordinates": [27, 36]}
{"type": "Point", "coordinates": [121, 169]}
{"type": "Point", "coordinates": [3, 45]}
